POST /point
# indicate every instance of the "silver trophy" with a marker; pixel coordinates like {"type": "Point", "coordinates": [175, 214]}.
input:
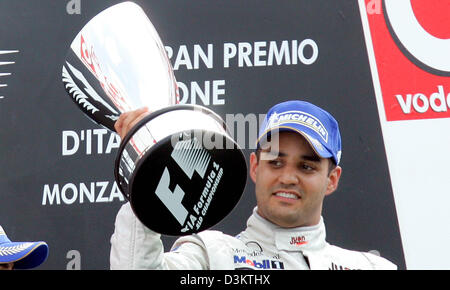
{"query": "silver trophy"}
{"type": "Point", "coordinates": [178, 167]}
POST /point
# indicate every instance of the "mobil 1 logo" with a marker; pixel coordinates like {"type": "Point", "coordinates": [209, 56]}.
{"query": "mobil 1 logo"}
{"type": "Point", "coordinates": [184, 187]}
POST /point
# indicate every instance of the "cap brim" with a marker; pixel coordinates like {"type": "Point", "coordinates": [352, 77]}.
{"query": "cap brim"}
{"type": "Point", "coordinates": [24, 255]}
{"type": "Point", "coordinates": [318, 147]}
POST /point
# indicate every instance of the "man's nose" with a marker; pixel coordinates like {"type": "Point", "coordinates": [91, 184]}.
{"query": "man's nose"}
{"type": "Point", "coordinates": [288, 176]}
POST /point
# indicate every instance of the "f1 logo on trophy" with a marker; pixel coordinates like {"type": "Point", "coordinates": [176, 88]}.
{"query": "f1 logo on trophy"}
{"type": "Point", "coordinates": [178, 167]}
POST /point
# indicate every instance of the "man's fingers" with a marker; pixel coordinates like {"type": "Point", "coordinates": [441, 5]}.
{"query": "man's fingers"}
{"type": "Point", "coordinates": [127, 120]}
{"type": "Point", "coordinates": [131, 122]}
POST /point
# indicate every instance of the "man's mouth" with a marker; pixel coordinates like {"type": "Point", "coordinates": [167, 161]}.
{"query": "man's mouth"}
{"type": "Point", "coordinates": [288, 195]}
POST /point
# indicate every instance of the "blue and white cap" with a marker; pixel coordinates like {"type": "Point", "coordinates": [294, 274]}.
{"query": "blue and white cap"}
{"type": "Point", "coordinates": [318, 127]}
{"type": "Point", "coordinates": [24, 255]}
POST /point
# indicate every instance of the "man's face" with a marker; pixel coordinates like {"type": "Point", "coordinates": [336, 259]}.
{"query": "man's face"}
{"type": "Point", "coordinates": [291, 182]}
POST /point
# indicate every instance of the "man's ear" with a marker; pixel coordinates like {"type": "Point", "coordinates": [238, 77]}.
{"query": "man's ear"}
{"type": "Point", "coordinates": [333, 180]}
{"type": "Point", "coordinates": [253, 166]}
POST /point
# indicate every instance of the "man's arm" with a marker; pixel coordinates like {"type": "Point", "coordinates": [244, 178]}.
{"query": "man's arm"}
{"type": "Point", "coordinates": [134, 246]}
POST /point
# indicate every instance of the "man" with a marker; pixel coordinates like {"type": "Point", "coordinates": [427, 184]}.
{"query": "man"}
{"type": "Point", "coordinates": [21, 255]}
{"type": "Point", "coordinates": [295, 166]}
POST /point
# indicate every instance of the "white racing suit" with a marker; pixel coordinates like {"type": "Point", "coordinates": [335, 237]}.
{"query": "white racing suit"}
{"type": "Point", "coordinates": [262, 245]}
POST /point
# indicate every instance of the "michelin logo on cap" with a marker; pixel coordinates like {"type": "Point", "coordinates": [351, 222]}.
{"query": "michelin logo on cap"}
{"type": "Point", "coordinates": [299, 117]}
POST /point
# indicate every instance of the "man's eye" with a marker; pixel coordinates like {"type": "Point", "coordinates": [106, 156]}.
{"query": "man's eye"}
{"type": "Point", "coordinates": [276, 163]}
{"type": "Point", "coordinates": [307, 167]}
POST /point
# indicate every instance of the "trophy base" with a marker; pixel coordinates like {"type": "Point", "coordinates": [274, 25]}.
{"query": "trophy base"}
{"type": "Point", "coordinates": [186, 181]}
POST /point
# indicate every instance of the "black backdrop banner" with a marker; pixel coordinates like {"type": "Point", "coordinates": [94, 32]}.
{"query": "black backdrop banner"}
{"type": "Point", "coordinates": [237, 58]}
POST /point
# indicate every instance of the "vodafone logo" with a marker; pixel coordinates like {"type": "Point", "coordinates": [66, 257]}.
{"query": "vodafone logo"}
{"type": "Point", "coordinates": [437, 101]}
{"type": "Point", "coordinates": [421, 29]}
{"type": "Point", "coordinates": [409, 53]}
{"type": "Point", "coordinates": [433, 16]}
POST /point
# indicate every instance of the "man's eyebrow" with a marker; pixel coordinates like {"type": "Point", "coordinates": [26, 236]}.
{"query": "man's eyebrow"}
{"type": "Point", "coordinates": [273, 152]}
{"type": "Point", "coordinates": [314, 158]}
{"type": "Point", "coordinates": [268, 154]}
{"type": "Point", "coordinates": [307, 157]}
